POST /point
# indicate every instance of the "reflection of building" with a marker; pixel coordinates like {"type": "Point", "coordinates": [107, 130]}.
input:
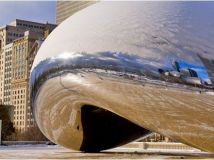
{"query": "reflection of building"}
{"type": "Point", "coordinates": [65, 9]}
{"type": "Point", "coordinates": [155, 137]}
{"type": "Point", "coordinates": [186, 69]}
{"type": "Point", "coordinates": [188, 73]}
{"type": "Point", "coordinates": [209, 64]}
{"type": "Point", "coordinates": [193, 73]}
{"type": "Point", "coordinates": [177, 65]}
{"type": "Point", "coordinates": [192, 80]}
{"type": "Point", "coordinates": [185, 72]}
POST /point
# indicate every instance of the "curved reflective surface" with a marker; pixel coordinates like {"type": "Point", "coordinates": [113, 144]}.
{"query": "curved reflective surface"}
{"type": "Point", "coordinates": [144, 66]}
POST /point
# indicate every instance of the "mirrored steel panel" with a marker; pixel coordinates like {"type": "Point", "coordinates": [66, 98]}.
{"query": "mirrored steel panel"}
{"type": "Point", "coordinates": [117, 71]}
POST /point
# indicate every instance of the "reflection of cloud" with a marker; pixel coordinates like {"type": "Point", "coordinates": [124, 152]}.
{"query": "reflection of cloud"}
{"type": "Point", "coordinates": [118, 62]}
{"type": "Point", "coordinates": [104, 60]}
{"type": "Point", "coordinates": [115, 61]}
{"type": "Point", "coordinates": [157, 31]}
{"type": "Point", "coordinates": [67, 55]}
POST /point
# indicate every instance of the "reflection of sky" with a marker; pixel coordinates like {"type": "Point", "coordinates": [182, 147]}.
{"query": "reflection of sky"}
{"type": "Point", "coordinates": [111, 61]}
{"type": "Point", "coordinates": [201, 70]}
{"type": "Point", "coordinates": [116, 61]}
{"type": "Point", "coordinates": [158, 32]}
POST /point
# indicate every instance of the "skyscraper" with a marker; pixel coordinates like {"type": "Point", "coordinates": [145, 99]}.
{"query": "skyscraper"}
{"type": "Point", "coordinates": [65, 9]}
{"type": "Point", "coordinates": [20, 78]}
{"type": "Point", "coordinates": [17, 42]}
{"type": "Point", "coordinates": [8, 33]}
{"type": "Point", "coordinates": [7, 54]}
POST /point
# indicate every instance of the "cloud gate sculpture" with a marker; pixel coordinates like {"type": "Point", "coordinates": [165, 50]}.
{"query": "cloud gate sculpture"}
{"type": "Point", "coordinates": [117, 71]}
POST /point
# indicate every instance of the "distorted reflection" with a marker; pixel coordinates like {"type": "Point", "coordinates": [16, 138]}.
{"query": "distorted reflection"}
{"type": "Point", "coordinates": [146, 65]}
{"type": "Point", "coordinates": [127, 65]}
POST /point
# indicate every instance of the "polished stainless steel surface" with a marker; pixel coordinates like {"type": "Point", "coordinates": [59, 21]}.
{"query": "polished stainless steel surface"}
{"type": "Point", "coordinates": [116, 71]}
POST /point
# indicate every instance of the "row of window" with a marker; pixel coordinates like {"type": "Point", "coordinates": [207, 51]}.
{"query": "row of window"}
{"type": "Point", "coordinates": [19, 112]}
{"type": "Point", "coordinates": [30, 26]}
{"type": "Point", "coordinates": [15, 34]}
{"type": "Point", "coordinates": [6, 87]}
{"type": "Point", "coordinates": [7, 69]}
{"type": "Point", "coordinates": [7, 79]}
{"type": "Point", "coordinates": [7, 99]}
{"type": "Point", "coordinates": [8, 58]}
{"type": "Point", "coordinates": [8, 53]}
{"type": "Point", "coordinates": [20, 55]}
{"type": "Point", "coordinates": [19, 102]}
{"type": "Point", "coordinates": [19, 107]}
{"type": "Point", "coordinates": [20, 48]}
{"type": "Point", "coordinates": [17, 123]}
{"type": "Point", "coordinates": [19, 96]}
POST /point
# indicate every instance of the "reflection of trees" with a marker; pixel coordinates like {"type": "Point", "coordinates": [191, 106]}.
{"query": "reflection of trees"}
{"type": "Point", "coordinates": [107, 61]}
{"type": "Point", "coordinates": [31, 134]}
{"type": "Point", "coordinates": [179, 80]}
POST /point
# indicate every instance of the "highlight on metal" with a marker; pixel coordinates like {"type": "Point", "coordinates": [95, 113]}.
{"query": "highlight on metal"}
{"type": "Point", "coordinates": [107, 76]}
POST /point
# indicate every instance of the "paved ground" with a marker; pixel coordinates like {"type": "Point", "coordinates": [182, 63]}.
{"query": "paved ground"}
{"type": "Point", "coordinates": [57, 152]}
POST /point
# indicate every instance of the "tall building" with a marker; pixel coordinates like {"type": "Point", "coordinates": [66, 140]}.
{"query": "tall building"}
{"type": "Point", "coordinates": [65, 9]}
{"type": "Point", "coordinates": [1, 76]}
{"type": "Point", "coordinates": [192, 72]}
{"type": "Point", "coordinates": [7, 35]}
{"type": "Point", "coordinates": [12, 31]}
{"type": "Point", "coordinates": [20, 79]}
{"type": "Point", "coordinates": [18, 46]}
{"type": "Point", "coordinates": [29, 25]}
{"type": "Point", "coordinates": [7, 54]}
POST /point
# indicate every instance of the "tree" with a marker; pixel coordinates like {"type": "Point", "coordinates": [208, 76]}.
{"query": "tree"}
{"type": "Point", "coordinates": [6, 115]}
{"type": "Point", "coordinates": [31, 134]}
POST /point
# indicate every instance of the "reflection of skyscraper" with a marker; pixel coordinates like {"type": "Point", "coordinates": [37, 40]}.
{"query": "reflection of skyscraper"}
{"type": "Point", "coordinates": [209, 64]}
{"type": "Point", "coordinates": [65, 9]}
{"type": "Point", "coordinates": [177, 66]}
{"type": "Point", "coordinates": [188, 69]}
{"type": "Point", "coordinates": [193, 73]}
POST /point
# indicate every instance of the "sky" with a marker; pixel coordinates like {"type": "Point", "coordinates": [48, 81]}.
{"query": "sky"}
{"type": "Point", "coordinates": [38, 11]}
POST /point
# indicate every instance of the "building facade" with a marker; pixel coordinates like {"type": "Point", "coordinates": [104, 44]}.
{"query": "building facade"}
{"type": "Point", "coordinates": [1, 76]}
{"type": "Point", "coordinates": [17, 42]}
{"type": "Point", "coordinates": [12, 31]}
{"type": "Point", "coordinates": [20, 79]}
{"type": "Point", "coordinates": [7, 35]}
{"type": "Point", "coordinates": [7, 55]}
{"type": "Point", "coordinates": [65, 9]}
